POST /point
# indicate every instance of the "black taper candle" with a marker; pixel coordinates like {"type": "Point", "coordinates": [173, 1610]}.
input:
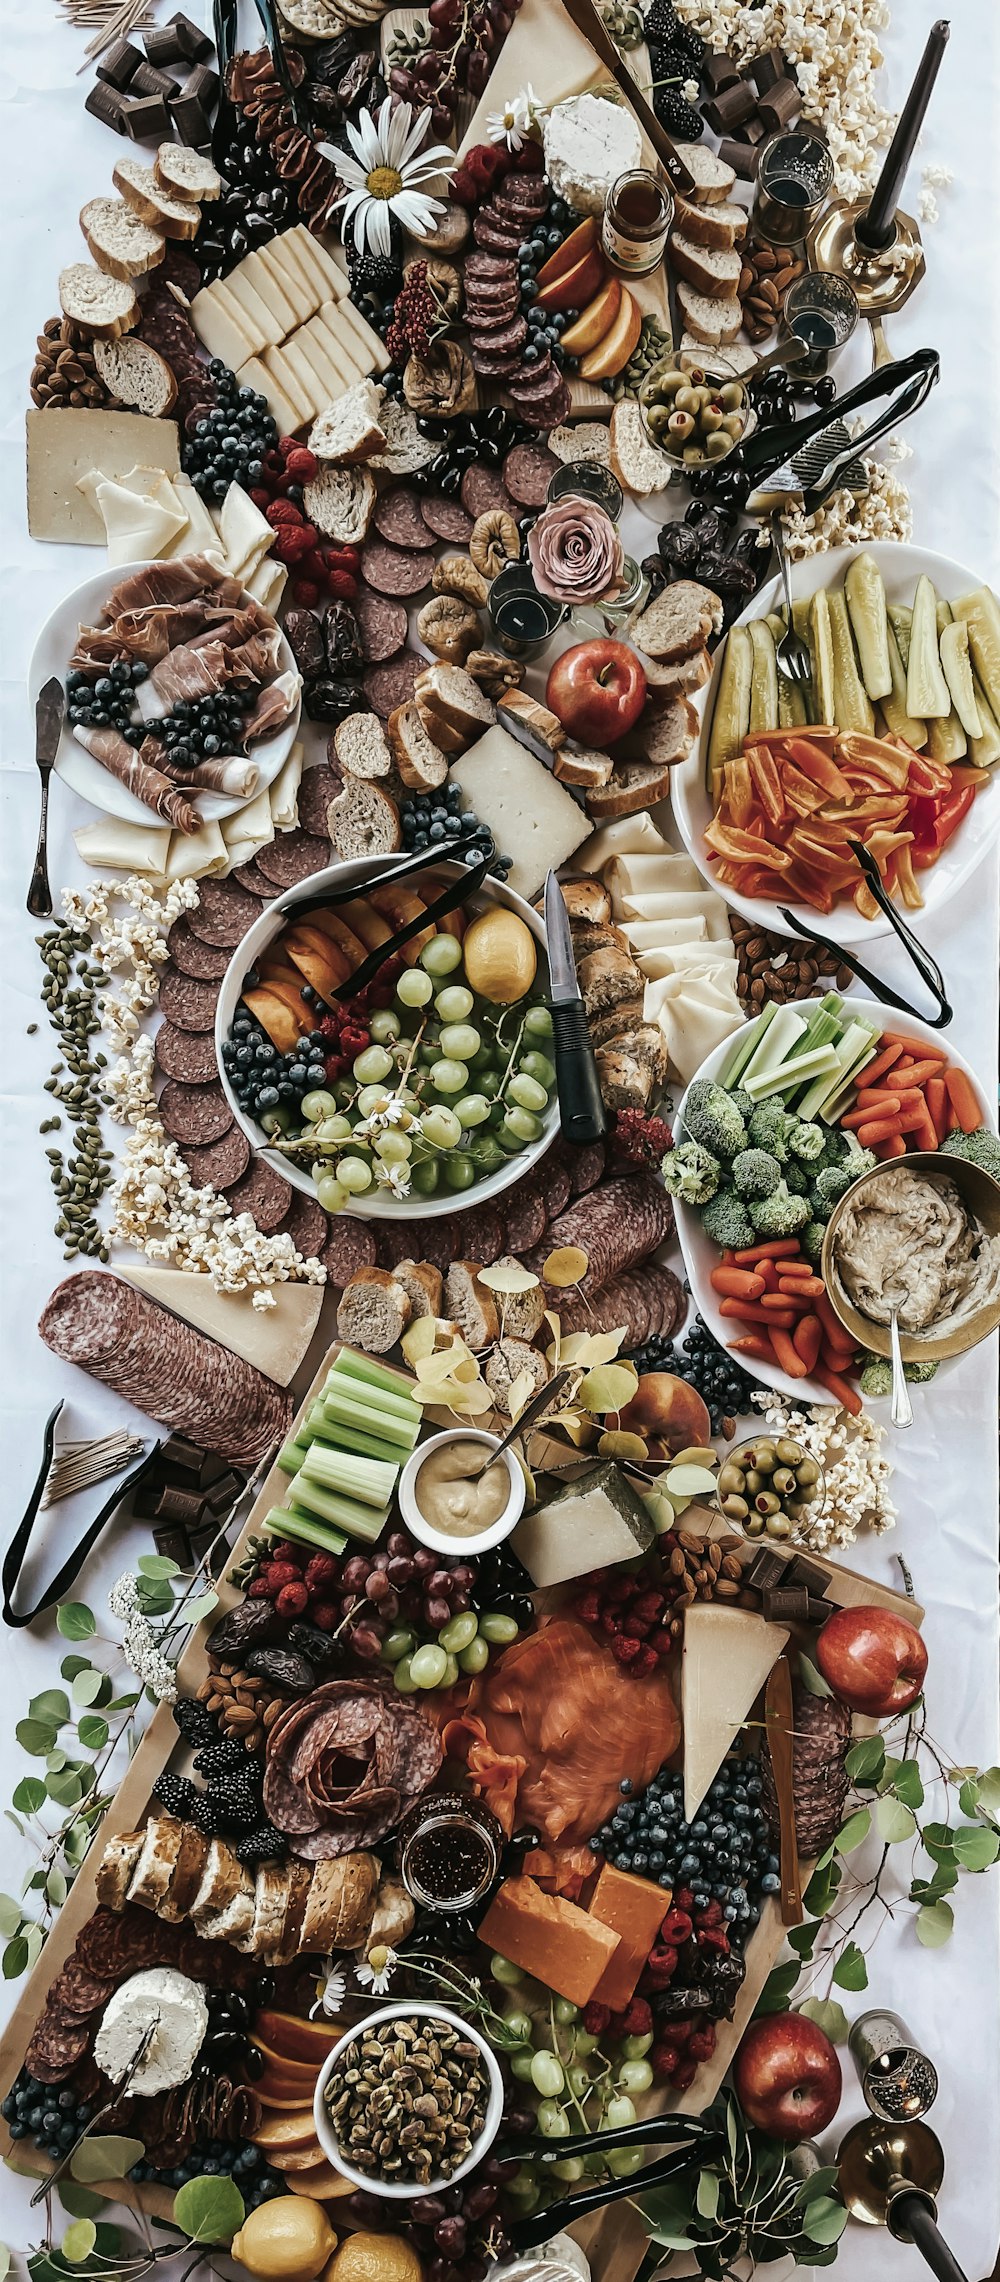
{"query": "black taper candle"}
{"type": "Point", "coordinates": [876, 227]}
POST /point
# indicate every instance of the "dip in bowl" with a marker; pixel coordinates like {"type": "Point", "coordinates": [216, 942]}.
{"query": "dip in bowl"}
{"type": "Point", "coordinates": [920, 1234]}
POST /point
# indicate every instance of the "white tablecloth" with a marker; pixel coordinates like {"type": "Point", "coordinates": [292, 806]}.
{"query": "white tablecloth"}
{"type": "Point", "coordinates": [946, 1469]}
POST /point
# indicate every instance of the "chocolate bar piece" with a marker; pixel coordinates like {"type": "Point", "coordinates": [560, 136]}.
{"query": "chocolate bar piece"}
{"type": "Point", "coordinates": [780, 105]}
{"type": "Point", "coordinates": [118, 63]}
{"type": "Point", "coordinates": [177, 41]}
{"type": "Point", "coordinates": [753, 131]}
{"type": "Point", "coordinates": [146, 80]}
{"type": "Point", "coordinates": [172, 1542]}
{"type": "Point", "coordinates": [744, 158]}
{"type": "Point", "coordinates": [720, 71]}
{"type": "Point", "coordinates": [785, 1604]}
{"type": "Point", "coordinates": [203, 84]}
{"type": "Point", "coordinates": [224, 1493]}
{"type": "Point", "coordinates": [766, 1569]}
{"type": "Point", "coordinates": [105, 103]}
{"type": "Point", "coordinates": [146, 118]}
{"type": "Point", "coordinates": [802, 1571]}
{"type": "Point", "coordinates": [729, 108]}
{"type": "Point", "coordinates": [767, 67]}
{"type": "Point", "coordinates": [191, 117]}
{"type": "Point", "coordinates": [178, 1450]}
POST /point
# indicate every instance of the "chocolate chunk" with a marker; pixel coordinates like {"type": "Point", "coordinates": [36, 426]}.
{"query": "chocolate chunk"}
{"type": "Point", "coordinates": [766, 1569]}
{"type": "Point", "coordinates": [785, 1604]}
{"type": "Point", "coordinates": [106, 104]}
{"type": "Point", "coordinates": [802, 1571]}
{"type": "Point", "coordinates": [730, 107]}
{"type": "Point", "coordinates": [146, 80]}
{"type": "Point", "coordinates": [177, 41]}
{"type": "Point", "coordinates": [146, 118]}
{"type": "Point", "coordinates": [780, 105]}
{"type": "Point", "coordinates": [767, 67]}
{"type": "Point", "coordinates": [118, 63]}
{"type": "Point", "coordinates": [179, 1450]}
{"type": "Point", "coordinates": [191, 123]}
{"type": "Point", "coordinates": [752, 131]}
{"type": "Point", "coordinates": [720, 71]}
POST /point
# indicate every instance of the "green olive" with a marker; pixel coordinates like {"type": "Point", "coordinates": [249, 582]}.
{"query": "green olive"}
{"type": "Point", "coordinates": [711, 419]}
{"type": "Point", "coordinates": [755, 1480]}
{"type": "Point", "coordinates": [718, 444]}
{"type": "Point", "coordinates": [790, 1453]}
{"type": "Point", "coordinates": [754, 1525]}
{"type": "Point", "coordinates": [688, 400]}
{"type": "Point", "coordinates": [679, 427]}
{"type": "Point", "coordinates": [732, 1478]}
{"type": "Point", "coordinates": [766, 1502]}
{"type": "Point", "coordinates": [806, 1470]}
{"type": "Point", "coordinates": [765, 1457]}
{"type": "Point", "coordinates": [658, 419]}
{"type": "Point", "coordinates": [693, 455]}
{"type": "Point", "coordinates": [778, 1525]}
{"type": "Point", "coordinates": [734, 1508]}
{"type": "Point", "coordinates": [733, 425]}
{"type": "Point", "coordinates": [783, 1480]}
{"type": "Point", "coordinates": [731, 396]}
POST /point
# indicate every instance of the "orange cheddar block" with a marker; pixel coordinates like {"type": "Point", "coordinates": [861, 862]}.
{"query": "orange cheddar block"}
{"type": "Point", "coordinates": [634, 1909]}
{"type": "Point", "coordinates": [560, 1944]}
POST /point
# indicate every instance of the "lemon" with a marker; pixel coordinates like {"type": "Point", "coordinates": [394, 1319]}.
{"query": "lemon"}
{"type": "Point", "coordinates": [288, 2240]}
{"type": "Point", "coordinates": [374, 2258]}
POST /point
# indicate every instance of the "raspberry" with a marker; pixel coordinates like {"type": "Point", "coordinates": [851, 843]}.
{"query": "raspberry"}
{"type": "Point", "coordinates": [710, 1915]}
{"type": "Point", "coordinates": [326, 1614]}
{"type": "Point", "coordinates": [480, 163]}
{"type": "Point", "coordinates": [282, 511]}
{"type": "Point", "coordinates": [342, 585]}
{"type": "Point", "coordinates": [676, 1927]}
{"type": "Point", "coordinates": [637, 2021]}
{"type": "Point", "coordinates": [261, 498]}
{"type": "Point", "coordinates": [354, 1040]}
{"type": "Point", "coordinates": [685, 2075]}
{"type": "Point", "coordinates": [596, 2018]}
{"type": "Point", "coordinates": [627, 1651]}
{"type": "Point", "coordinates": [282, 1551]}
{"type": "Point", "coordinates": [713, 1937]}
{"type": "Point", "coordinates": [306, 593]}
{"type": "Point", "coordinates": [530, 159]}
{"type": "Point", "coordinates": [290, 545]}
{"type": "Point", "coordinates": [588, 1609]}
{"type": "Point", "coordinates": [302, 464]}
{"type": "Point", "coordinates": [280, 1573]}
{"type": "Point", "coordinates": [321, 1569]}
{"type": "Point", "coordinates": [463, 189]}
{"type": "Point", "coordinates": [342, 558]}
{"type": "Point", "coordinates": [683, 1898]}
{"type": "Point", "coordinates": [648, 1607]}
{"type": "Point", "coordinates": [660, 1967]}
{"type": "Point", "coordinates": [260, 1590]}
{"type": "Point", "coordinates": [677, 2034]}
{"type": "Point", "coordinates": [273, 465]}
{"type": "Point", "coordinates": [293, 1600]}
{"type": "Point", "coordinates": [664, 2061]}
{"type": "Point", "coordinates": [316, 566]}
{"type": "Point", "coordinates": [702, 2043]}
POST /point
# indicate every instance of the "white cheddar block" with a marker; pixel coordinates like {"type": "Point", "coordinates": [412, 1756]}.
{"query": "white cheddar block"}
{"type": "Point", "coordinates": [269, 291]}
{"type": "Point", "coordinates": [349, 349]}
{"type": "Point", "coordinates": [728, 1653]}
{"type": "Point", "coordinates": [253, 374]}
{"type": "Point", "coordinates": [525, 808]}
{"type": "Point", "coordinates": [334, 353]}
{"type": "Point", "coordinates": [276, 362]}
{"type": "Point", "coordinates": [275, 1338]}
{"type": "Point", "coordinates": [304, 375]}
{"type": "Point", "coordinates": [285, 254]}
{"type": "Point", "coordinates": [370, 347]}
{"type": "Point", "coordinates": [304, 249]}
{"type": "Point", "coordinates": [334, 277]}
{"type": "Point", "coordinates": [286, 281]}
{"type": "Point", "coordinates": [326, 374]}
{"type": "Point", "coordinates": [220, 332]}
{"type": "Point", "coordinates": [238, 289]}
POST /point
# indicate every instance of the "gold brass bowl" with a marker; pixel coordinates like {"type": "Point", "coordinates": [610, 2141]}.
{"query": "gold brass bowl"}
{"type": "Point", "coordinates": [980, 1194]}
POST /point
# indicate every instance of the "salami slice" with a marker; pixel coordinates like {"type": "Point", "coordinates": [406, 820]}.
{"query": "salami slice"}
{"type": "Point", "coordinates": [55, 2048]}
{"type": "Point", "coordinates": [535, 378]}
{"type": "Point", "coordinates": [294, 856]}
{"type": "Point", "coordinates": [351, 1245]}
{"type": "Point", "coordinates": [448, 519]}
{"type": "Point", "coordinates": [398, 519]}
{"type": "Point", "coordinates": [482, 263]}
{"type": "Point", "coordinates": [223, 913]}
{"type": "Point", "coordinates": [440, 1241]}
{"type": "Point", "coordinates": [484, 490]}
{"type": "Point", "coordinates": [264, 1194]}
{"type": "Point", "coordinates": [307, 1225]}
{"type": "Point", "coordinates": [221, 1163]}
{"type": "Point", "coordinates": [252, 878]}
{"type": "Point", "coordinates": [187, 1002]}
{"type": "Point", "coordinates": [388, 686]}
{"type": "Point", "coordinates": [388, 571]}
{"type": "Point", "coordinates": [585, 1166]}
{"type": "Point", "coordinates": [528, 471]}
{"type": "Point", "coordinates": [617, 1227]}
{"type": "Point", "coordinates": [383, 626]}
{"type": "Point", "coordinates": [480, 1235]}
{"type": "Point", "coordinates": [549, 411]}
{"type": "Point", "coordinates": [206, 962]}
{"type": "Point", "coordinates": [493, 367]}
{"type": "Point", "coordinates": [194, 1116]}
{"type": "Point", "coordinates": [77, 1992]}
{"type": "Point", "coordinates": [319, 786]}
{"type": "Point", "coordinates": [556, 1188]}
{"type": "Point", "coordinates": [497, 236]}
{"type": "Point", "coordinates": [186, 1054]}
{"type": "Point", "coordinates": [526, 1217]}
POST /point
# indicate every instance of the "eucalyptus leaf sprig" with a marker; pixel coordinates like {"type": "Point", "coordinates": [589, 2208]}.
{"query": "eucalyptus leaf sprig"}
{"type": "Point", "coordinates": [750, 2202]}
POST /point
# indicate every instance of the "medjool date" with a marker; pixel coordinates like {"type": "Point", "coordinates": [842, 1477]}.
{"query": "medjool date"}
{"type": "Point", "coordinates": [284, 1668]}
{"type": "Point", "coordinates": [248, 1625]}
{"type": "Point", "coordinates": [342, 639]}
{"type": "Point", "coordinates": [304, 635]}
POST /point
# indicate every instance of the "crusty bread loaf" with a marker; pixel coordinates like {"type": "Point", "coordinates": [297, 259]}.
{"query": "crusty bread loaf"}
{"type": "Point", "coordinates": [117, 1864]}
{"type": "Point", "coordinates": [121, 244]}
{"type": "Point", "coordinates": [423, 1285]}
{"type": "Point", "coordinates": [509, 1358]}
{"type": "Point", "coordinates": [156, 1862]}
{"type": "Point", "coordinates": [713, 179]}
{"type": "Point", "coordinates": [720, 224]}
{"type": "Point", "coordinates": [351, 429]}
{"type": "Point", "coordinates": [639, 465]}
{"type": "Point", "coordinates": [187, 1875]}
{"type": "Point", "coordinates": [137, 375]}
{"type": "Point", "coordinates": [103, 306]}
{"type": "Point", "coordinates": [361, 746]}
{"type": "Point", "coordinates": [606, 978]}
{"type": "Point", "coordinates": [586, 440]}
{"type": "Point", "coordinates": [581, 764]}
{"type": "Point", "coordinates": [522, 1314]}
{"type": "Point", "coordinates": [708, 321]}
{"type": "Point", "coordinates": [185, 173]}
{"type": "Point", "coordinates": [586, 899]}
{"type": "Point", "coordinates": [448, 696]}
{"type": "Point", "coordinates": [340, 1904]}
{"type": "Point", "coordinates": [234, 1923]}
{"type": "Point", "coordinates": [394, 1916]}
{"type": "Point", "coordinates": [618, 1022]}
{"type": "Point", "coordinates": [532, 723]}
{"type": "Point", "coordinates": [471, 1305]}
{"type": "Point", "coordinates": [221, 1880]}
{"type": "Point", "coordinates": [420, 762]}
{"type": "Point", "coordinates": [664, 736]}
{"type": "Point", "coordinates": [711, 270]}
{"type": "Point", "coordinates": [340, 501]}
{"type": "Point", "coordinates": [363, 820]}
{"type": "Point", "coordinates": [373, 1312]}
{"type": "Point", "coordinates": [678, 622]}
{"type": "Point", "coordinates": [176, 217]}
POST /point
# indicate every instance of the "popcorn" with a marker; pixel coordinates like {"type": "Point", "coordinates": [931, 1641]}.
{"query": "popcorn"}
{"type": "Point", "coordinates": [836, 55]}
{"type": "Point", "coordinates": [885, 512]}
{"type": "Point", "coordinates": [852, 1458]}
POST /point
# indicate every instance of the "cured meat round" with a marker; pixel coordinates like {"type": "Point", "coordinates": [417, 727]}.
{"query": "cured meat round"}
{"type": "Point", "coordinates": [221, 1163]}
{"type": "Point", "coordinates": [526, 1216]}
{"type": "Point", "coordinates": [194, 1115]}
{"type": "Point", "coordinates": [398, 519]}
{"type": "Point", "coordinates": [177, 1375]}
{"type": "Point", "coordinates": [223, 913]}
{"type": "Point", "coordinates": [186, 1054]}
{"type": "Point", "coordinates": [252, 878]}
{"type": "Point", "coordinates": [186, 1001]}
{"type": "Point", "coordinates": [207, 962]}
{"type": "Point", "coordinates": [505, 337]}
{"type": "Point", "coordinates": [388, 571]}
{"type": "Point", "coordinates": [535, 378]}
{"type": "Point", "coordinates": [76, 1992]}
{"type": "Point", "coordinates": [547, 412]}
{"type": "Point", "coordinates": [616, 1227]}
{"type": "Point", "coordinates": [343, 1766]}
{"type": "Point", "coordinates": [480, 1235]}
{"type": "Point", "coordinates": [585, 1166]}
{"type": "Point", "coordinates": [484, 264]}
{"type": "Point", "coordinates": [350, 1245]}
{"type": "Point", "coordinates": [484, 490]}
{"type": "Point", "coordinates": [448, 520]}
{"type": "Point", "coordinates": [493, 367]}
{"type": "Point", "coordinates": [294, 856]}
{"type": "Point", "coordinates": [528, 471]}
{"type": "Point", "coordinates": [438, 1241]}
{"type": "Point", "coordinates": [264, 1194]}
{"type": "Point", "coordinates": [496, 235]}
{"type": "Point", "coordinates": [56, 2047]}
{"type": "Point", "coordinates": [306, 1223]}
{"type": "Point", "coordinates": [388, 686]}
{"type": "Point", "coordinates": [556, 1186]}
{"type": "Point", "coordinates": [319, 786]}
{"type": "Point", "coordinates": [383, 626]}
{"type": "Point", "coordinates": [643, 1301]}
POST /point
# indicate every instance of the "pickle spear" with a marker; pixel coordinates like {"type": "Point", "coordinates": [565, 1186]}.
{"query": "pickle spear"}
{"type": "Point", "coordinates": [821, 649]}
{"type": "Point", "coordinates": [792, 713]}
{"type": "Point", "coordinates": [946, 738]}
{"type": "Point", "coordinates": [900, 620]}
{"type": "Point", "coordinates": [956, 665]}
{"type": "Point", "coordinates": [731, 718]}
{"type": "Point", "coordinates": [981, 613]}
{"type": "Point", "coordinates": [898, 721]}
{"type": "Point", "coordinates": [763, 678]}
{"type": "Point", "coordinates": [853, 707]}
{"type": "Point", "coordinates": [984, 751]}
{"type": "Point", "coordinates": [927, 691]}
{"type": "Point", "coordinates": [865, 593]}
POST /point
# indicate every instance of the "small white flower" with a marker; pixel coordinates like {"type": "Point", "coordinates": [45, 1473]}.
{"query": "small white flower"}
{"type": "Point", "coordinates": [388, 163]}
{"type": "Point", "coordinates": [376, 1973]}
{"type": "Point", "coordinates": [690, 91]}
{"type": "Point", "coordinates": [513, 124]}
{"type": "Point", "coordinates": [395, 1178]}
{"type": "Point", "coordinates": [123, 1598]}
{"type": "Point", "coordinates": [332, 1989]}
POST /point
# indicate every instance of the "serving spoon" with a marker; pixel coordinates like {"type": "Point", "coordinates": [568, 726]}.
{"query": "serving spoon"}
{"type": "Point", "coordinates": [901, 1412]}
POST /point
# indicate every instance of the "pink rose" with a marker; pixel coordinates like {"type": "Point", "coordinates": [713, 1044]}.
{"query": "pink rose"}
{"type": "Point", "coordinates": [575, 552]}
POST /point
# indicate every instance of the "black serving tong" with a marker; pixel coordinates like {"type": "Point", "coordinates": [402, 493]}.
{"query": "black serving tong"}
{"type": "Point", "coordinates": [907, 383]}
{"type": "Point", "coordinates": [16, 1553]}
{"type": "Point", "coordinates": [226, 33]}
{"type": "Point", "coordinates": [926, 966]}
{"type": "Point", "coordinates": [690, 2139]}
{"type": "Point", "coordinates": [423, 860]}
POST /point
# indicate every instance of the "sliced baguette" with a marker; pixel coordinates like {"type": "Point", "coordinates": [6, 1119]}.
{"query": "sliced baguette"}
{"type": "Point", "coordinates": [451, 694]}
{"type": "Point", "coordinates": [185, 173]}
{"type": "Point", "coordinates": [137, 375]}
{"type": "Point", "coordinates": [532, 723]}
{"type": "Point", "coordinates": [509, 1358]}
{"type": "Point", "coordinates": [712, 270]}
{"type": "Point", "coordinates": [423, 1285]}
{"type": "Point", "coordinates": [471, 1305]}
{"type": "Point", "coordinates": [340, 1904]}
{"type": "Point", "coordinates": [363, 820]}
{"type": "Point", "coordinates": [722, 225]}
{"type": "Point", "coordinates": [731, 358]}
{"type": "Point", "coordinates": [588, 441]}
{"type": "Point", "coordinates": [663, 737]}
{"type": "Point", "coordinates": [350, 430]}
{"type": "Point", "coordinates": [105, 307]}
{"type": "Point", "coordinates": [713, 179]}
{"type": "Point", "coordinates": [523, 1312]}
{"type": "Point", "coordinates": [638, 465]}
{"type": "Point", "coordinates": [340, 502]}
{"type": "Point", "coordinates": [221, 1880]}
{"type": "Point", "coordinates": [187, 1875]}
{"type": "Point", "coordinates": [119, 242]}
{"type": "Point", "coordinates": [156, 1863]}
{"type": "Point", "coordinates": [374, 1310]}
{"type": "Point", "coordinates": [361, 746]}
{"type": "Point", "coordinates": [664, 682]}
{"type": "Point", "coordinates": [634, 786]}
{"type": "Point", "coordinates": [581, 765]}
{"type": "Point", "coordinates": [117, 1864]}
{"type": "Point", "coordinates": [710, 322]}
{"type": "Point", "coordinates": [678, 622]}
{"type": "Point", "coordinates": [420, 762]}
{"type": "Point", "coordinates": [607, 978]}
{"type": "Point", "coordinates": [176, 217]}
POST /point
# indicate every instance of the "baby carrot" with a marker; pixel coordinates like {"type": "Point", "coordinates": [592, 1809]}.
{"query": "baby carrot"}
{"type": "Point", "coordinates": [921, 1071]}
{"type": "Point", "coordinates": [737, 1283]}
{"type": "Point", "coordinates": [767, 1270]}
{"type": "Point", "coordinates": [806, 1338]}
{"type": "Point", "coordinates": [879, 1129]}
{"type": "Point", "coordinates": [877, 1103]}
{"type": "Point", "coordinates": [745, 1311]}
{"type": "Point", "coordinates": [778, 1303]}
{"type": "Point", "coordinates": [803, 1287]}
{"type": "Point", "coordinates": [778, 1248]}
{"type": "Point", "coordinates": [788, 1357]}
{"type": "Point", "coordinates": [883, 1062]}
{"type": "Point", "coordinates": [847, 1396]}
{"type": "Point", "coordinates": [918, 1047]}
{"type": "Point", "coordinates": [855, 1118]}
{"type": "Point", "coordinates": [894, 1148]}
{"type": "Point", "coordinates": [832, 1325]}
{"type": "Point", "coordinates": [962, 1097]}
{"type": "Point", "coordinates": [794, 1268]}
{"type": "Point", "coordinates": [936, 1094]}
{"type": "Point", "coordinates": [757, 1344]}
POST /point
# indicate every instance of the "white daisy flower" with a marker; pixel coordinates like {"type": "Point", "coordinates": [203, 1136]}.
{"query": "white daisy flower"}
{"type": "Point", "coordinates": [331, 1990]}
{"type": "Point", "coordinates": [395, 1178]}
{"type": "Point", "coordinates": [385, 175]}
{"type": "Point", "coordinates": [376, 1973]}
{"type": "Point", "coordinates": [514, 122]}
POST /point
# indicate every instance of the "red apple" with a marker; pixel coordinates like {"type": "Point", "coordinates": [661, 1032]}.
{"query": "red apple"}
{"type": "Point", "coordinates": [787, 2076]}
{"type": "Point", "coordinates": [598, 689]}
{"type": "Point", "coordinates": [873, 1659]}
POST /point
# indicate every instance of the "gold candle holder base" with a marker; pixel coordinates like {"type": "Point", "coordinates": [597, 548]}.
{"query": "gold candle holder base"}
{"type": "Point", "coordinates": [880, 2162]}
{"type": "Point", "coordinates": [882, 281]}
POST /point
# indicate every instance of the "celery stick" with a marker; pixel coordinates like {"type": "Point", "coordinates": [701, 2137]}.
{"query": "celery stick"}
{"type": "Point", "coordinates": [822, 1029]}
{"type": "Point", "coordinates": [285, 1521]}
{"type": "Point", "coordinates": [397, 1431]}
{"type": "Point", "coordinates": [346, 1513]}
{"type": "Point", "coordinates": [365, 1478]}
{"type": "Point", "coordinates": [290, 1458]}
{"type": "Point", "coordinates": [792, 1073]}
{"type": "Point", "coordinates": [787, 1028]}
{"type": "Point", "coordinates": [381, 1400]}
{"type": "Point", "coordinates": [323, 1429]}
{"type": "Point", "coordinates": [746, 1042]}
{"type": "Point", "coordinates": [855, 1048]}
{"type": "Point", "coordinates": [372, 1374]}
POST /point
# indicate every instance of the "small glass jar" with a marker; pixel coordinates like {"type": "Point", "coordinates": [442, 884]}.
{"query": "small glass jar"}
{"type": "Point", "coordinates": [794, 181]}
{"type": "Point", "coordinates": [523, 620]}
{"type": "Point", "coordinates": [587, 479]}
{"type": "Point", "coordinates": [450, 1850]}
{"type": "Point", "coordinates": [637, 214]}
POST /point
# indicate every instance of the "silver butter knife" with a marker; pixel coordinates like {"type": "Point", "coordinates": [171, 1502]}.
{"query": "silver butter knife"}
{"type": "Point", "coordinates": [48, 729]}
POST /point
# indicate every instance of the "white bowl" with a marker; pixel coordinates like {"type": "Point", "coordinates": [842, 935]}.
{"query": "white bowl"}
{"type": "Point", "coordinates": [375, 1204]}
{"type": "Point", "coordinates": [326, 2131]}
{"type": "Point", "coordinates": [437, 1539]}
{"type": "Point", "coordinates": [701, 1254]}
{"type": "Point", "coordinates": [901, 566]}
{"type": "Point", "coordinates": [78, 768]}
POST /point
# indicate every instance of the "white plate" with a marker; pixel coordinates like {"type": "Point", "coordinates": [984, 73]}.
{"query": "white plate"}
{"type": "Point", "coordinates": [901, 566]}
{"type": "Point", "coordinates": [78, 768]}
{"type": "Point", "coordinates": [701, 1254]}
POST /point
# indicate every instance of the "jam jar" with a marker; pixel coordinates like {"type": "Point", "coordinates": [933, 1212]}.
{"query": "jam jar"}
{"type": "Point", "coordinates": [450, 1850]}
{"type": "Point", "coordinates": [637, 215]}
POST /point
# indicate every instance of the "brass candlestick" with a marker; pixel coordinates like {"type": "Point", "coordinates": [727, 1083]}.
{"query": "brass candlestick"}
{"type": "Point", "coordinates": [890, 2175]}
{"type": "Point", "coordinates": [882, 281]}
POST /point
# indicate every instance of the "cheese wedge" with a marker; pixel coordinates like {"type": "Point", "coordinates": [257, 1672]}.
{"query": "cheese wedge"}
{"type": "Point", "coordinates": [304, 375]}
{"type": "Point", "coordinates": [275, 1338]}
{"type": "Point", "coordinates": [199, 534]}
{"type": "Point", "coordinates": [254, 312]}
{"type": "Point", "coordinates": [728, 1653]}
{"type": "Point", "coordinates": [221, 333]}
{"type": "Point", "coordinates": [333, 277]}
{"type": "Point", "coordinates": [287, 282]}
{"type": "Point", "coordinates": [286, 254]}
{"type": "Point", "coordinates": [200, 855]}
{"type": "Point", "coordinates": [336, 359]}
{"type": "Point", "coordinates": [371, 348]}
{"type": "Point", "coordinates": [269, 291]}
{"type": "Point", "coordinates": [275, 362]}
{"type": "Point", "coordinates": [252, 374]}
{"type": "Point", "coordinates": [544, 48]}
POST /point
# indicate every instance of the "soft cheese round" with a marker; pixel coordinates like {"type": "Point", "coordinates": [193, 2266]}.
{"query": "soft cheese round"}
{"type": "Point", "coordinates": [589, 142]}
{"type": "Point", "coordinates": [177, 2005]}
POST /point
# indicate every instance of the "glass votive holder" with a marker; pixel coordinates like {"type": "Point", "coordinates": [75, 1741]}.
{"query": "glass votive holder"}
{"type": "Point", "coordinates": [604, 617]}
{"type": "Point", "coordinates": [897, 2079]}
{"type": "Point", "coordinates": [587, 479]}
{"type": "Point", "coordinates": [822, 311]}
{"type": "Point", "coordinates": [794, 181]}
{"type": "Point", "coordinates": [523, 620]}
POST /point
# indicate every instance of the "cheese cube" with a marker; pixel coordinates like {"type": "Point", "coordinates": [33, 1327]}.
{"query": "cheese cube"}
{"type": "Point", "coordinates": [593, 1522]}
{"type": "Point", "coordinates": [634, 1908]}
{"type": "Point", "coordinates": [222, 331]}
{"type": "Point", "coordinates": [550, 1938]}
{"type": "Point", "coordinates": [328, 381]}
{"type": "Point", "coordinates": [530, 816]}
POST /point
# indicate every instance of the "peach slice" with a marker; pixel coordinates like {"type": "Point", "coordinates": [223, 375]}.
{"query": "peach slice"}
{"type": "Point", "coordinates": [321, 2181]}
{"type": "Point", "coordinates": [298, 2158]}
{"type": "Point", "coordinates": [294, 2129]}
{"type": "Point", "coordinates": [399, 905]}
{"type": "Point", "coordinates": [570, 252]}
{"type": "Point", "coordinates": [595, 320]}
{"type": "Point", "coordinates": [282, 1028]}
{"type": "Point", "coordinates": [303, 2072]}
{"type": "Point", "coordinates": [613, 352]}
{"type": "Point", "coordinates": [367, 923]}
{"type": "Point", "coordinates": [330, 923]}
{"type": "Point", "coordinates": [290, 2038]}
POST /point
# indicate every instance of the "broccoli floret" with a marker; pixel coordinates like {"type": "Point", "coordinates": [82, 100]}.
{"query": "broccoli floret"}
{"type": "Point", "coordinates": [876, 1378]}
{"type": "Point", "coordinates": [919, 1373]}
{"type": "Point", "coordinates": [819, 1208]}
{"type": "Point", "coordinates": [711, 1118]}
{"type": "Point", "coordinates": [768, 1129]}
{"type": "Point", "coordinates": [796, 1178]}
{"type": "Point", "coordinates": [833, 1152]}
{"type": "Point", "coordinates": [811, 1240]}
{"type": "Point", "coordinates": [780, 1214]}
{"type": "Point", "coordinates": [833, 1180]}
{"type": "Point", "coordinates": [806, 1141]}
{"type": "Point", "coordinates": [979, 1148]}
{"type": "Point", "coordinates": [755, 1173]}
{"type": "Point", "coordinates": [726, 1220]}
{"type": "Point", "coordinates": [691, 1172]}
{"type": "Point", "coordinates": [741, 1101]}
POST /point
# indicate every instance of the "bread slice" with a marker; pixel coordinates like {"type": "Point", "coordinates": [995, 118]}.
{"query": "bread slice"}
{"type": "Point", "coordinates": [394, 1916]}
{"type": "Point", "coordinates": [509, 1358]}
{"type": "Point", "coordinates": [423, 1285]}
{"type": "Point", "coordinates": [222, 1878]}
{"type": "Point", "coordinates": [136, 375]}
{"type": "Point", "coordinates": [587, 900]}
{"type": "Point", "coordinates": [351, 429]}
{"type": "Point", "coordinates": [606, 978]}
{"type": "Point", "coordinates": [618, 1022]}
{"type": "Point", "coordinates": [185, 173]}
{"type": "Point", "coordinates": [340, 1904]}
{"type": "Point", "coordinates": [420, 762]}
{"type": "Point", "coordinates": [176, 217]}
{"type": "Point", "coordinates": [713, 179]}
{"type": "Point", "coordinates": [102, 306]}
{"type": "Point", "coordinates": [639, 466]}
{"type": "Point", "coordinates": [117, 1864]}
{"type": "Point", "coordinates": [340, 501]}
{"type": "Point", "coordinates": [581, 764]}
{"type": "Point", "coordinates": [588, 441]}
{"type": "Point", "coordinates": [626, 1074]}
{"type": "Point", "coordinates": [712, 270]}
{"type": "Point", "coordinates": [405, 449]}
{"type": "Point", "coordinates": [471, 1305]}
{"type": "Point", "coordinates": [187, 1875]}
{"type": "Point", "coordinates": [118, 241]}
{"type": "Point", "coordinates": [710, 322]}
{"type": "Point", "coordinates": [283, 1907]}
{"type": "Point", "coordinates": [363, 820]}
{"type": "Point", "coordinates": [522, 1314]}
{"type": "Point", "coordinates": [361, 746]}
{"type": "Point", "coordinates": [373, 1312]}
{"type": "Point", "coordinates": [636, 785]}
{"type": "Point", "coordinates": [664, 682]}
{"type": "Point", "coordinates": [532, 723]}
{"type": "Point", "coordinates": [731, 358]}
{"type": "Point", "coordinates": [234, 1923]}
{"type": "Point", "coordinates": [156, 1862]}
{"type": "Point", "coordinates": [664, 736]}
{"type": "Point", "coordinates": [451, 693]}
{"type": "Point", "coordinates": [678, 622]}
{"type": "Point", "coordinates": [721, 225]}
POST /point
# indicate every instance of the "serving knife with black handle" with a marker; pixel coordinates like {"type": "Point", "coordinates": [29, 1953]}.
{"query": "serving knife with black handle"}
{"type": "Point", "coordinates": [48, 729]}
{"type": "Point", "coordinates": [582, 1114]}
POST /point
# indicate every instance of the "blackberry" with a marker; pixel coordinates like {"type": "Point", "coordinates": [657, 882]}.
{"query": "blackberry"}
{"type": "Point", "coordinates": [664, 26]}
{"type": "Point", "coordinates": [671, 63]}
{"type": "Point", "coordinates": [221, 1758]}
{"type": "Point", "coordinates": [677, 115]}
{"type": "Point", "coordinates": [204, 1813]}
{"type": "Point", "coordinates": [196, 1723]}
{"type": "Point", "coordinates": [264, 1844]}
{"type": "Point", "coordinates": [177, 1794]}
{"type": "Point", "coordinates": [380, 274]}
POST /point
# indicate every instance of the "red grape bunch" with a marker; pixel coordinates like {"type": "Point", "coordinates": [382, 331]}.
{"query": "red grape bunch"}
{"type": "Point", "coordinates": [464, 38]}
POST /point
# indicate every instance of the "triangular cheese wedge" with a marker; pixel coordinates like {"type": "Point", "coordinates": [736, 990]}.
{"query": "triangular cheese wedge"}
{"type": "Point", "coordinates": [543, 48]}
{"type": "Point", "coordinates": [275, 1338]}
{"type": "Point", "coordinates": [728, 1653]}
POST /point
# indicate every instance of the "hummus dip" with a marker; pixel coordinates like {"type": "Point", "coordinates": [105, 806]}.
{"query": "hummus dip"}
{"type": "Point", "coordinates": [907, 1242]}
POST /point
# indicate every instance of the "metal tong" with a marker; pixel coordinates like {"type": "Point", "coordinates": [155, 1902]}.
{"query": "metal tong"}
{"type": "Point", "coordinates": [685, 2135]}
{"type": "Point", "coordinates": [907, 383]}
{"type": "Point", "coordinates": [421, 861]}
{"type": "Point", "coordinates": [926, 966]}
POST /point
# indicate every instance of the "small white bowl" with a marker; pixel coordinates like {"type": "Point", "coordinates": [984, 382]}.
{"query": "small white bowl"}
{"type": "Point", "coordinates": [326, 2131]}
{"type": "Point", "coordinates": [437, 1539]}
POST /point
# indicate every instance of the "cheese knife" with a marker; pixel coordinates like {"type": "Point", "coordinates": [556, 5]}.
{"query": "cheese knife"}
{"type": "Point", "coordinates": [778, 1720]}
{"type": "Point", "coordinates": [48, 729]}
{"type": "Point", "coordinates": [582, 1114]}
{"type": "Point", "coordinates": [585, 16]}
